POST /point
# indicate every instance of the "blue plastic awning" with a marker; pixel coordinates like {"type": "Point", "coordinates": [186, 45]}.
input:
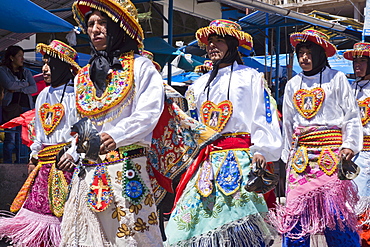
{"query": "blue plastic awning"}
{"type": "Point", "coordinates": [23, 16]}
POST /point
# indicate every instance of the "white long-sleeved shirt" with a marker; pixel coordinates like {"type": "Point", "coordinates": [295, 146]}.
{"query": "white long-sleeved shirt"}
{"type": "Point", "coordinates": [246, 92]}
{"type": "Point", "coordinates": [135, 123]}
{"type": "Point", "coordinates": [339, 108]}
{"type": "Point", "coordinates": [362, 94]}
{"type": "Point", "coordinates": [61, 133]}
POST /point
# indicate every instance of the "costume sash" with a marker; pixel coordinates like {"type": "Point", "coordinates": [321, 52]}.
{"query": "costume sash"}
{"type": "Point", "coordinates": [223, 143]}
{"type": "Point", "coordinates": [366, 144]}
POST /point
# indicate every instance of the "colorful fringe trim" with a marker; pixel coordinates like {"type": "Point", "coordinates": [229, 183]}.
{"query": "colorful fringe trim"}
{"type": "Point", "coordinates": [22, 194]}
{"type": "Point", "coordinates": [330, 205]}
{"type": "Point", "coordinates": [246, 232]}
{"type": "Point", "coordinates": [28, 228]}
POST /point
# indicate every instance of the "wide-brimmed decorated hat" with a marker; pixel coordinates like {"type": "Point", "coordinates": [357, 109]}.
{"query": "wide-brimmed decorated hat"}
{"type": "Point", "coordinates": [122, 12]}
{"type": "Point", "coordinates": [60, 50]}
{"type": "Point", "coordinates": [314, 36]}
{"type": "Point", "coordinates": [150, 56]}
{"type": "Point", "coordinates": [359, 50]}
{"type": "Point", "coordinates": [223, 27]}
{"type": "Point", "coordinates": [204, 68]}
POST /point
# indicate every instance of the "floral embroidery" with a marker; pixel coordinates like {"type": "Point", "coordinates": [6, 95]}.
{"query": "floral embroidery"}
{"type": "Point", "coordinates": [117, 213]}
{"type": "Point", "coordinates": [124, 231]}
{"type": "Point", "coordinates": [149, 200]}
{"type": "Point", "coordinates": [141, 226]}
{"type": "Point", "coordinates": [112, 156]}
{"type": "Point", "coordinates": [135, 208]}
{"type": "Point", "coordinates": [152, 219]}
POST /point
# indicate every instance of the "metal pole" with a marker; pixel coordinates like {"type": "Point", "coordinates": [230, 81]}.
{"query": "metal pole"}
{"type": "Point", "coordinates": [277, 55]}
{"type": "Point", "coordinates": [170, 38]}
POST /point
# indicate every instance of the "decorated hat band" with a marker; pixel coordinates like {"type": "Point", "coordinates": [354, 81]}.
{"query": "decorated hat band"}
{"type": "Point", "coordinates": [223, 27]}
{"type": "Point", "coordinates": [315, 36]}
{"type": "Point", "coordinates": [150, 56]}
{"type": "Point", "coordinates": [122, 12]}
{"type": "Point", "coordinates": [60, 50]}
{"type": "Point", "coordinates": [359, 50]}
{"type": "Point", "coordinates": [204, 68]}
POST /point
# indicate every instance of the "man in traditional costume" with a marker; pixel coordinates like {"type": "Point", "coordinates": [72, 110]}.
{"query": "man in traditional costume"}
{"type": "Point", "coordinates": [360, 55]}
{"type": "Point", "coordinates": [41, 200]}
{"type": "Point", "coordinates": [212, 206]}
{"type": "Point", "coordinates": [121, 93]}
{"type": "Point", "coordinates": [315, 141]}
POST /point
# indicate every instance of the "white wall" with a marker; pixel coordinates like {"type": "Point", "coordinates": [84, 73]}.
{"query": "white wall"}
{"type": "Point", "coordinates": [29, 43]}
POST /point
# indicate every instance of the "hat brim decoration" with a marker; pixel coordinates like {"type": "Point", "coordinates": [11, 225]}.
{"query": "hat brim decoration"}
{"type": "Point", "coordinates": [316, 37]}
{"type": "Point", "coordinates": [157, 66]}
{"type": "Point", "coordinates": [60, 54]}
{"type": "Point", "coordinates": [125, 16]}
{"type": "Point", "coordinates": [222, 28]}
{"type": "Point", "coordinates": [361, 49]}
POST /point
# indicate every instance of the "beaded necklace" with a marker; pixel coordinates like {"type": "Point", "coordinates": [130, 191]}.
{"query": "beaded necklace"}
{"type": "Point", "coordinates": [118, 94]}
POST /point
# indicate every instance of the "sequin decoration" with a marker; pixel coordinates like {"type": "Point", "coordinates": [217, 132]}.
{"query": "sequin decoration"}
{"type": "Point", "coordinates": [118, 94]}
{"type": "Point", "coordinates": [308, 102]}
{"type": "Point", "coordinates": [229, 174]}
{"type": "Point", "coordinates": [364, 110]}
{"type": "Point", "coordinates": [58, 191]}
{"type": "Point", "coordinates": [134, 189]}
{"type": "Point", "coordinates": [100, 194]}
{"type": "Point", "coordinates": [204, 183]}
{"type": "Point", "coordinates": [328, 161]}
{"type": "Point", "coordinates": [300, 160]}
{"type": "Point", "coordinates": [50, 116]}
{"type": "Point", "coordinates": [216, 116]}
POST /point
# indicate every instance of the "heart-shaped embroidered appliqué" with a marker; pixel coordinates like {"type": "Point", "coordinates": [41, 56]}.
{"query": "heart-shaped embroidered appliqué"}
{"type": "Point", "coordinates": [50, 116]}
{"type": "Point", "coordinates": [216, 116]}
{"type": "Point", "coordinates": [308, 102]}
{"type": "Point", "coordinates": [364, 110]}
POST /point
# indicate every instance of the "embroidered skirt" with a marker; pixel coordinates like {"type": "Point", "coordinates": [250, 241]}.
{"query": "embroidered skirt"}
{"type": "Point", "coordinates": [41, 198]}
{"type": "Point", "coordinates": [315, 198]}
{"type": "Point", "coordinates": [218, 211]}
{"type": "Point", "coordinates": [125, 214]}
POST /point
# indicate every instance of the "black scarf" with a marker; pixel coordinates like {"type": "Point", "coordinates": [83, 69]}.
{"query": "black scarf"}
{"type": "Point", "coordinates": [60, 71]}
{"type": "Point", "coordinates": [318, 55]}
{"type": "Point", "coordinates": [231, 55]}
{"type": "Point", "coordinates": [118, 42]}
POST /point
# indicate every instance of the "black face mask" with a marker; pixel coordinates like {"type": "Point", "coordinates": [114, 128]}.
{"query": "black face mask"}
{"type": "Point", "coordinates": [318, 55]}
{"type": "Point", "coordinates": [60, 71]}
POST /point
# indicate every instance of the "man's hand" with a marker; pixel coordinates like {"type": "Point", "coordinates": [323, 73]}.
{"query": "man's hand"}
{"type": "Point", "coordinates": [30, 167]}
{"type": "Point", "coordinates": [66, 163]}
{"type": "Point", "coordinates": [107, 143]}
{"type": "Point", "coordinates": [346, 153]}
{"type": "Point", "coordinates": [258, 158]}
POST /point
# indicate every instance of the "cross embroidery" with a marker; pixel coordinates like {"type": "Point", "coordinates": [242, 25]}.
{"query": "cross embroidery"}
{"type": "Point", "coordinates": [100, 187]}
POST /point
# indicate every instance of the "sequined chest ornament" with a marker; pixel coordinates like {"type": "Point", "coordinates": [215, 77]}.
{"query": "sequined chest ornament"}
{"type": "Point", "coordinates": [308, 102]}
{"type": "Point", "coordinates": [118, 93]}
{"type": "Point", "coordinates": [216, 116]}
{"type": "Point", "coordinates": [364, 106]}
{"type": "Point", "coordinates": [50, 116]}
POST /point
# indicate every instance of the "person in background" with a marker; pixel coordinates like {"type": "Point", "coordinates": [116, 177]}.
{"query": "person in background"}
{"type": "Point", "coordinates": [111, 200]}
{"type": "Point", "coordinates": [41, 200]}
{"type": "Point", "coordinates": [316, 138]}
{"type": "Point", "coordinates": [18, 84]}
{"type": "Point", "coordinates": [212, 206]}
{"type": "Point", "coordinates": [360, 55]}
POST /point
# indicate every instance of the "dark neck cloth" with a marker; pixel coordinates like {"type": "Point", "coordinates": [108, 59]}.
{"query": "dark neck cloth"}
{"type": "Point", "coordinates": [318, 57]}
{"type": "Point", "coordinates": [118, 42]}
{"type": "Point", "coordinates": [60, 72]}
{"type": "Point", "coordinates": [231, 55]}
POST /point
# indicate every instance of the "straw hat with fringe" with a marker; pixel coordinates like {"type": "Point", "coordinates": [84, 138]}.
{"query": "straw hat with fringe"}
{"type": "Point", "coordinates": [359, 50]}
{"type": "Point", "coordinates": [314, 36]}
{"type": "Point", "coordinates": [122, 12]}
{"type": "Point", "coordinates": [223, 27]}
{"type": "Point", "coordinates": [60, 50]}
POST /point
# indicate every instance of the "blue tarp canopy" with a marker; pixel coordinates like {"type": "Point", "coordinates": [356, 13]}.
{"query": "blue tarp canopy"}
{"type": "Point", "coordinates": [23, 16]}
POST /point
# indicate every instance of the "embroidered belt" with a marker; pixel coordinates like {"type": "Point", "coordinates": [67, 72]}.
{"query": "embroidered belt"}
{"type": "Point", "coordinates": [326, 140]}
{"type": "Point", "coordinates": [119, 155]}
{"type": "Point", "coordinates": [321, 138]}
{"type": "Point", "coordinates": [48, 154]}
{"type": "Point", "coordinates": [366, 145]}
